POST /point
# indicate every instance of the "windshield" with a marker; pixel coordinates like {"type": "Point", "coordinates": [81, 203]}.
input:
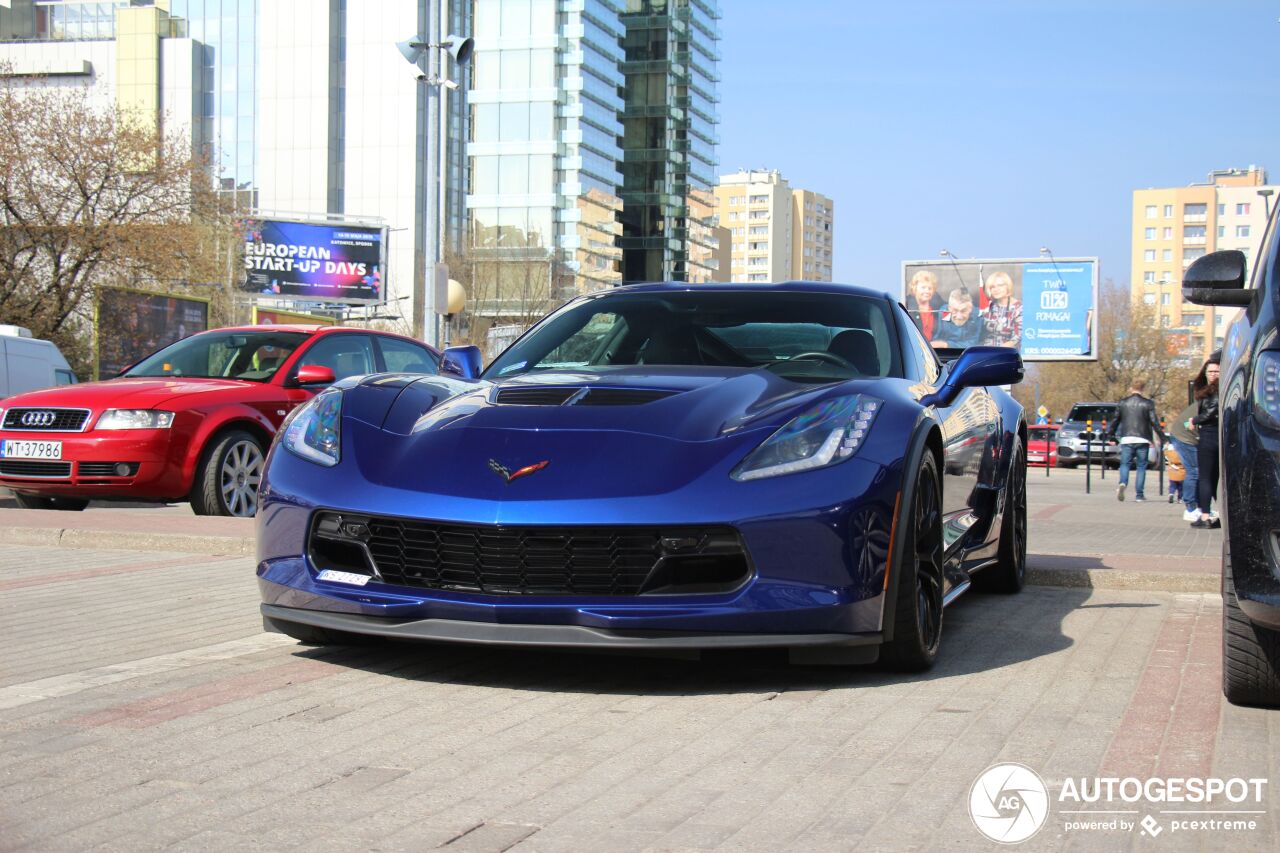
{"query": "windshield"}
{"type": "Point", "coordinates": [1096, 413]}
{"type": "Point", "coordinates": [805, 337]}
{"type": "Point", "coordinates": [255, 356]}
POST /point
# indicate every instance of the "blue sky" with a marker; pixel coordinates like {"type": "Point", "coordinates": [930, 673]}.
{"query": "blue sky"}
{"type": "Point", "coordinates": [993, 128]}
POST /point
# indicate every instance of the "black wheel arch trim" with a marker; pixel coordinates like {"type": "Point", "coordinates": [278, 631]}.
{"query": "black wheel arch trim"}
{"type": "Point", "coordinates": [925, 427]}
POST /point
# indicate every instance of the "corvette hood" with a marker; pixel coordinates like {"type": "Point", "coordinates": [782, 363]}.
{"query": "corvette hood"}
{"type": "Point", "coordinates": [680, 405]}
{"type": "Point", "coordinates": [470, 445]}
{"type": "Point", "coordinates": [139, 393]}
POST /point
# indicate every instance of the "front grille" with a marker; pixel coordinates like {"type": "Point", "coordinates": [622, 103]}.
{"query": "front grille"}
{"type": "Point", "coordinates": [583, 560]}
{"type": "Point", "coordinates": [35, 470]}
{"type": "Point", "coordinates": [48, 420]}
{"type": "Point", "coordinates": [552, 396]}
{"type": "Point", "coordinates": [105, 469]}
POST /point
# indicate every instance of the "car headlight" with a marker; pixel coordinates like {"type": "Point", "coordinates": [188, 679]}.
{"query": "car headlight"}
{"type": "Point", "coordinates": [314, 430]}
{"type": "Point", "coordinates": [1266, 389]}
{"type": "Point", "coordinates": [828, 433]}
{"type": "Point", "coordinates": [135, 419]}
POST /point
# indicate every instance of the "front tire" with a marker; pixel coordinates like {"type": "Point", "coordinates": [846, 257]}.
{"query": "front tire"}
{"type": "Point", "coordinates": [228, 478]}
{"type": "Point", "coordinates": [1009, 574]}
{"type": "Point", "coordinates": [1250, 653]}
{"type": "Point", "coordinates": [41, 502]}
{"type": "Point", "coordinates": [917, 623]}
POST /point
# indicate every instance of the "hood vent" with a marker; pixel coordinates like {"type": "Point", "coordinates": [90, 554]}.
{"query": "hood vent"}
{"type": "Point", "coordinates": [561, 396]}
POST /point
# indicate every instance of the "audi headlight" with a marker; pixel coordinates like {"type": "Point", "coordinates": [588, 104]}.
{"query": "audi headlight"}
{"type": "Point", "coordinates": [135, 419]}
{"type": "Point", "coordinates": [314, 430]}
{"type": "Point", "coordinates": [828, 433]}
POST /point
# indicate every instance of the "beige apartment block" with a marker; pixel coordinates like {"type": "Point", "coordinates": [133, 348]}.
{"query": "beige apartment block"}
{"type": "Point", "coordinates": [812, 220]}
{"type": "Point", "coordinates": [1175, 225]}
{"type": "Point", "coordinates": [776, 233]}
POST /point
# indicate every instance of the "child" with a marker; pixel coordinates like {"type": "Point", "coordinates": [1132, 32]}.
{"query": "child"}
{"type": "Point", "coordinates": [1175, 469]}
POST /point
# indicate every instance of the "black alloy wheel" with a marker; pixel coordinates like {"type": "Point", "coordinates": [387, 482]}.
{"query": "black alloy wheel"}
{"type": "Point", "coordinates": [1009, 574]}
{"type": "Point", "coordinates": [917, 631]}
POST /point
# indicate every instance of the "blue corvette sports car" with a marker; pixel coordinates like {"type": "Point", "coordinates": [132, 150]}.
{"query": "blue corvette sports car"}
{"type": "Point", "coordinates": [659, 466]}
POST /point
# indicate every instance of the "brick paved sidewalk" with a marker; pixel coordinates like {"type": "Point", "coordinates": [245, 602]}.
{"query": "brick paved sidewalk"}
{"type": "Point", "coordinates": [142, 708]}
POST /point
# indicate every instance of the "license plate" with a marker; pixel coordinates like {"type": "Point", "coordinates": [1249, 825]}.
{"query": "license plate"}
{"type": "Point", "coordinates": [1035, 457]}
{"type": "Point", "coordinates": [19, 449]}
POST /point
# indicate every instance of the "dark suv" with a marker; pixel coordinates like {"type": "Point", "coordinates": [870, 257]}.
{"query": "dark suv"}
{"type": "Point", "coordinates": [1250, 447]}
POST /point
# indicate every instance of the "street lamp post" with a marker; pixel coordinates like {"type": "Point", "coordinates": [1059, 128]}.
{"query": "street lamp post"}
{"type": "Point", "coordinates": [430, 161]}
{"type": "Point", "coordinates": [1266, 203]}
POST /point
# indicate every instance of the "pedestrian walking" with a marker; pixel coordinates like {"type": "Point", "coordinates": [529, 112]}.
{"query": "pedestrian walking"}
{"type": "Point", "coordinates": [1176, 470]}
{"type": "Point", "coordinates": [1133, 427]}
{"type": "Point", "coordinates": [1184, 438]}
{"type": "Point", "coordinates": [1206, 421]}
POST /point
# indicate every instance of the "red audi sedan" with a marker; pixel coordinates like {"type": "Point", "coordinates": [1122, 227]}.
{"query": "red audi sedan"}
{"type": "Point", "coordinates": [191, 422]}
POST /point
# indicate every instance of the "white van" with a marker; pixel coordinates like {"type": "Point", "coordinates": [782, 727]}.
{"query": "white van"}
{"type": "Point", "coordinates": [29, 364]}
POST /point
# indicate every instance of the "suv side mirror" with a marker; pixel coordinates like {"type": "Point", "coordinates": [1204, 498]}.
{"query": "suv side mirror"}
{"type": "Point", "coordinates": [975, 367]}
{"type": "Point", "coordinates": [461, 361]}
{"type": "Point", "coordinates": [315, 374]}
{"type": "Point", "coordinates": [1217, 279]}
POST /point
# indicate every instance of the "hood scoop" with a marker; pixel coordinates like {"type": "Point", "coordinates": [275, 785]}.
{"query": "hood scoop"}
{"type": "Point", "coordinates": [542, 395]}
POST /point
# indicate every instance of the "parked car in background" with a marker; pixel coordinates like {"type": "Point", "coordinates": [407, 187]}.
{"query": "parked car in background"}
{"type": "Point", "coordinates": [1042, 445]}
{"type": "Point", "coordinates": [28, 364]}
{"type": "Point", "coordinates": [1071, 447]}
{"type": "Point", "coordinates": [1250, 453]}
{"type": "Point", "coordinates": [192, 421]}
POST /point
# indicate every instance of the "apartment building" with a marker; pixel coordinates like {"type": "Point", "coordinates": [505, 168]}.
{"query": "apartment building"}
{"type": "Point", "coordinates": [777, 233]}
{"type": "Point", "coordinates": [1173, 226]}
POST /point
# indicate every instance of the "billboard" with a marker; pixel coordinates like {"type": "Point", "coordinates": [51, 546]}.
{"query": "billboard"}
{"type": "Point", "coordinates": [135, 323]}
{"type": "Point", "coordinates": [275, 316]}
{"type": "Point", "coordinates": [316, 262]}
{"type": "Point", "coordinates": [1042, 307]}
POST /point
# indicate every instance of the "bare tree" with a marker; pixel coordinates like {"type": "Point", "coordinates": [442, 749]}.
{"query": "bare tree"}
{"type": "Point", "coordinates": [513, 291]}
{"type": "Point", "coordinates": [89, 199]}
{"type": "Point", "coordinates": [1131, 345]}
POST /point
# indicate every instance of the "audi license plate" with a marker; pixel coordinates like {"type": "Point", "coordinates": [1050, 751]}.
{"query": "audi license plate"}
{"type": "Point", "coordinates": [18, 449]}
{"type": "Point", "coordinates": [1035, 457]}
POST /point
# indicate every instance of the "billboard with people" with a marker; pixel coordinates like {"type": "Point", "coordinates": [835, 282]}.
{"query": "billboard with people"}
{"type": "Point", "coordinates": [1042, 307]}
{"type": "Point", "coordinates": [315, 262]}
{"type": "Point", "coordinates": [135, 323]}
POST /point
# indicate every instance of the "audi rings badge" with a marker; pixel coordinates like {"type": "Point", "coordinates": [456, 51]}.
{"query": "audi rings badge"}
{"type": "Point", "coordinates": [38, 419]}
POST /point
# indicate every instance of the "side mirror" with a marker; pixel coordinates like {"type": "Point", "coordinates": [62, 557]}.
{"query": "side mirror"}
{"type": "Point", "coordinates": [461, 361]}
{"type": "Point", "coordinates": [976, 367]}
{"type": "Point", "coordinates": [315, 374]}
{"type": "Point", "coordinates": [1217, 279]}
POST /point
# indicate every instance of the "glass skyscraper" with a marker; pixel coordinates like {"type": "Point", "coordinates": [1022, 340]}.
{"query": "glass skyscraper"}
{"type": "Point", "coordinates": [669, 170]}
{"type": "Point", "coordinates": [545, 102]}
{"type": "Point", "coordinates": [228, 34]}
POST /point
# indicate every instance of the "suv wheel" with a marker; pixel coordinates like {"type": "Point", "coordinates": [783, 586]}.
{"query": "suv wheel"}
{"type": "Point", "coordinates": [1250, 653]}
{"type": "Point", "coordinates": [228, 478]}
{"type": "Point", "coordinates": [39, 502]}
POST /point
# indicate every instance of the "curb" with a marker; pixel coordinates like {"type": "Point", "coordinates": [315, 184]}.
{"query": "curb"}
{"type": "Point", "coordinates": [238, 546]}
{"type": "Point", "coordinates": [115, 540]}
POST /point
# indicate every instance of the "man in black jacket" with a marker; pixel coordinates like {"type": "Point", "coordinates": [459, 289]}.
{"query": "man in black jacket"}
{"type": "Point", "coordinates": [1134, 426]}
